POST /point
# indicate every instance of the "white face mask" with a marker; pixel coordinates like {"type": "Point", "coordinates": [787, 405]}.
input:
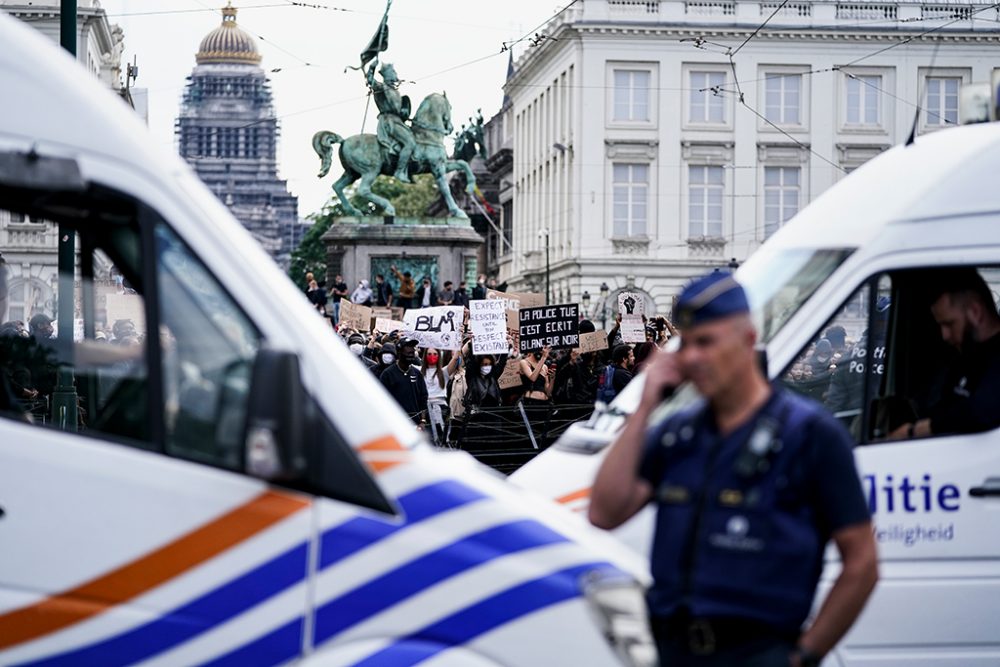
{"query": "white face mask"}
{"type": "Point", "coordinates": [485, 370]}
{"type": "Point", "coordinates": [388, 358]}
{"type": "Point", "coordinates": [357, 348]}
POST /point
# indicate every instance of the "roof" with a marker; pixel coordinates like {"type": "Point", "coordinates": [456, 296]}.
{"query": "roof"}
{"type": "Point", "coordinates": [228, 43]}
{"type": "Point", "coordinates": [950, 172]}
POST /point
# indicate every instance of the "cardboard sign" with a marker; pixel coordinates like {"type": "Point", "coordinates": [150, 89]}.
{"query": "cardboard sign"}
{"type": "Point", "coordinates": [554, 326]}
{"type": "Point", "coordinates": [488, 321]}
{"type": "Point", "coordinates": [593, 342]}
{"type": "Point", "coordinates": [511, 375]}
{"type": "Point", "coordinates": [630, 303]}
{"type": "Point", "coordinates": [355, 316]}
{"type": "Point", "coordinates": [439, 327]}
{"type": "Point", "coordinates": [126, 307]}
{"type": "Point", "coordinates": [383, 313]}
{"type": "Point", "coordinates": [633, 329]}
{"type": "Point", "coordinates": [517, 300]}
{"type": "Point", "coordinates": [397, 313]}
{"type": "Point", "coordinates": [385, 325]}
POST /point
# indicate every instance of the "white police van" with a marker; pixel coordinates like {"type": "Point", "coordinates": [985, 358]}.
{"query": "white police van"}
{"type": "Point", "coordinates": [237, 489]}
{"type": "Point", "coordinates": [853, 265]}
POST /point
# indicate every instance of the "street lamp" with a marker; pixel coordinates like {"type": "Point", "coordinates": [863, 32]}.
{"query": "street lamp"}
{"type": "Point", "coordinates": [585, 300]}
{"type": "Point", "coordinates": [548, 293]}
{"type": "Point", "coordinates": [733, 264]}
{"type": "Point", "coordinates": [604, 305]}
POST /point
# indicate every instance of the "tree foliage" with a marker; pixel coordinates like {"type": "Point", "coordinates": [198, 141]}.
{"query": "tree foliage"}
{"type": "Point", "coordinates": [410, 201]}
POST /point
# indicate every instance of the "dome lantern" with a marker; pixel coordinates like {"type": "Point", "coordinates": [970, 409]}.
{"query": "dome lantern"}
{"type": "Point", "coordinates": [228, 43]}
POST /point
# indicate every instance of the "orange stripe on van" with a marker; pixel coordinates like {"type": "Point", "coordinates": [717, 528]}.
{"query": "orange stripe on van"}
{"type": "Point", "coordinates": [576, 495]}
{"type": "Point", "coordinates": [148, 572]}
{"type": "Point", "coordinates": [386, 452]}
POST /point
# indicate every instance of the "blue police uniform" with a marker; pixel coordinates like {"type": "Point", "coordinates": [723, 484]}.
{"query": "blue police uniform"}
{"type": "Point", "coordinates": [743, 519]}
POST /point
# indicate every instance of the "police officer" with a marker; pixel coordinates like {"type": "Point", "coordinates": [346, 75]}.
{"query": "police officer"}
{"type": "Point", "coordinates": [750, 483]}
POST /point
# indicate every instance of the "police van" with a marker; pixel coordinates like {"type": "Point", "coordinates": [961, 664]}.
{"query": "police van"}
{"type": "Point", "coordinates": [852, 270]}
{"type": "Point", "coordinates": [223, 483]}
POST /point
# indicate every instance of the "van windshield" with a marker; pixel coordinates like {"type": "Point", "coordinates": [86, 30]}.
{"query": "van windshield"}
{"type": "Point", "coordinates": [778, 282]}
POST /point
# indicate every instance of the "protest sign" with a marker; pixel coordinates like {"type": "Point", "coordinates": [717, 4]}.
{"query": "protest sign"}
{"type": "Point", "coordinates": [397, 313]}
{"type": "Point", "coordinates": [517, 300]}
{"type": "Point", "coordinates": [355, 316]}
{"type": "Point", "coordinates": [126, 307]}
{"type": "Point", "coordinates": [630, 303]}
{"type": "Point", "coordinates": [594, 341]}
{"type": "Point", "coordinates": [385, 325]}
{"type": "Point", "coordinates": [382, 313]}
{"type": "Point", "coordinates": [633, 329]}
{"type": "Point", "coordinates": [439, 327]}
{"type": "Point", "coordinates": [488, 321]}
{"type": "Point", "coordinates": [554, 326]}
{"type": "Point", "coordinates": [511, 376]}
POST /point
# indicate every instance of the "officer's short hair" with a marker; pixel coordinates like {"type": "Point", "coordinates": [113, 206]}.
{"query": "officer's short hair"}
{"type": "Point", "coordinates": [963, 285]}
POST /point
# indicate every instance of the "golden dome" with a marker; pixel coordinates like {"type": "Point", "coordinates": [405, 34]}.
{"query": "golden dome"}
{"type": "Point", "coordinates": [228, 43]}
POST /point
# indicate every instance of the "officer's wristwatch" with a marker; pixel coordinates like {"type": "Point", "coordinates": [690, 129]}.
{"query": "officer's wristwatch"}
{"type": "Point", "coordinates": [807, 658]}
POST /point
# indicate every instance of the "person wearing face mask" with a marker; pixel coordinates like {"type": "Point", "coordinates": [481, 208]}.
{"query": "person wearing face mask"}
{"type": "Point", "coordinates": [356, 344]}
{"type": "Point", "coordinates": [482, 379]}
{"type": "Point", "coordinates": [404, 381]}
{"type": "Point", "coordinates": [437, 372]}
{"type": "Point", "coordinates": [385, 356]}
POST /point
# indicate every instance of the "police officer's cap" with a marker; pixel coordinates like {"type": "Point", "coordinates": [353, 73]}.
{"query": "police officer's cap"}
{"type": "Point", "coordinates": [709, 298]}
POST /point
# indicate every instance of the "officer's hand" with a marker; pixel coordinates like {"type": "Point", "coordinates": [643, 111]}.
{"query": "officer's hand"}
{"type": "Point", "coordinates": [662, 372]}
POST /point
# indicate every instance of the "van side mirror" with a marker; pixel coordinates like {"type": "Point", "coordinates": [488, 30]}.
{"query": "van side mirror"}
{"type": "Point", "coordinates": [275, 431]}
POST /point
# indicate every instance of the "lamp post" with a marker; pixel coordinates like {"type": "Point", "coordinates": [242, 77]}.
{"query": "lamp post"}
{"type": "Point", "coordinates": [585, 301]}
{"type": "Point", "coordinates": [548, 293]}
{"type": "Point", "coordinates": [604, 305]}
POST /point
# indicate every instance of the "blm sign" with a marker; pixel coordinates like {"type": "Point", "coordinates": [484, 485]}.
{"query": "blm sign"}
{"type": "Point", "coordinates": [553, 326]}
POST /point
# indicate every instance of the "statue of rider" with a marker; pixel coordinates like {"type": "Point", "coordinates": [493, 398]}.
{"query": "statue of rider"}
{"type": "Point", "coordinates": [392, 128]}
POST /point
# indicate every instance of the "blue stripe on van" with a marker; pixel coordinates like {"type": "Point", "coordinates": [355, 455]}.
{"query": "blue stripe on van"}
{"type": "Point", "coordinates": [483, 616]}
{"type": "Point", "coordinates": [269, 579]}
{"type": "Point", "coordinates": [418, 575]}
{"type": "Point", "coordinates": [190, 620]}
{"type": "Point", "coordinates": [355, 534]}
{"type": "Point", "coordinates": [275, 648]}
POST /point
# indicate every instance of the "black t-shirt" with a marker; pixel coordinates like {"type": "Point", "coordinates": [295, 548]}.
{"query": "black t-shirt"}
{"type": "Point", "coordinates": [971, 403]}
{"type": "Point", "coordinates": [408, 388]}
{"type": "Point", "coordinates": [338, 287]}
{"type": "Point", "coordinates": [620, 379]}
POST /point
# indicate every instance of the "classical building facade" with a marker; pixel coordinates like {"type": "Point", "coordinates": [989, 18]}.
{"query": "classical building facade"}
{"type": "Point", "coordinates": [644, 153]}
{"type": "Point", "coordinates": [228, 132]}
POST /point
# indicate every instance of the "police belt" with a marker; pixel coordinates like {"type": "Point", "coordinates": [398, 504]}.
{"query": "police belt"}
{"type": "Point", "coordinates": [711, 635]}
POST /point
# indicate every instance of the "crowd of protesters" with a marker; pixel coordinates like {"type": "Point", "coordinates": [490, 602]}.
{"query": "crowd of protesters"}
{"type": "Point", "coordinates": [455, 394]}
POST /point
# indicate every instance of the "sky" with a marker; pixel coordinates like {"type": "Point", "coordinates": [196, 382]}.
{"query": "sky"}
{"type": "Point", "coordinates": [433, 44]}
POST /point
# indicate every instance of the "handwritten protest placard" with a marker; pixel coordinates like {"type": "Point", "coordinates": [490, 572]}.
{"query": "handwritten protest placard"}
{"type": "Point", "coordinates": [439, 327]}
{"type": "Point", "coordinates": [355, 316]}
{"type": "Point", "coordinates": [630, 303]}
{"type": "Point", "coordinates": [594, 341]}
{"type": "Point", "coordinates": [382, 313]}
{"type": "Point", "coordinates": [126, 307]}
{"type": "Point", "coordinates": [554, 326]}
{"type": "Point", "coordinates": [385, 325]}
{"type": "Point", "coordinates": [633, 329]}
{"type": "Point", "coordinates": [488, 321]}
{"type": "Point", "coordinates": [511, 376]}
{"type": "Point", "coordinates": [397, 313]}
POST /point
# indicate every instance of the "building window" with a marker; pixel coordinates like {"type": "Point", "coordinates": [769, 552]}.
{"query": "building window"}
{"type": "Point", "coordinates": [783, 98]}
{"type": "Point", "coordinates": [782, 188]}
{"type": "Point", "coordinates": [706, 185]}
{"type": "Point", "coordinates": [631, 194]}
{"type": "Point", "coordinates": [863, 103]}
{"type": "Point", "coordinates": [942, 100]}
{"type": "Point", "coordinates": [707, 106]}
{"type": "Point", "coordinates": [631, 95]}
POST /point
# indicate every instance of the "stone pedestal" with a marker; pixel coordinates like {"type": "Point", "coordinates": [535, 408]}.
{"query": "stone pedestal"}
{"type": "Point", "coordinates": [438, 248]}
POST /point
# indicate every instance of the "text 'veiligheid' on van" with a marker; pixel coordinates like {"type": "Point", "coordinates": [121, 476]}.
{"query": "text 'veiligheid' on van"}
{"type": "Point", "coordinates": [224, 483]}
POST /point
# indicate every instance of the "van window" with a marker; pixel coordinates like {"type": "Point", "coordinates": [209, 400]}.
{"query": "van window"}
{"type": "Point", "coordinates": [846, 359]}
{"type": "Point", "coordinates": [88, 373]}
{"type": "Point", "coordinates": [886, 361]}
{"type": "Point", "coordinates": [208, 348]}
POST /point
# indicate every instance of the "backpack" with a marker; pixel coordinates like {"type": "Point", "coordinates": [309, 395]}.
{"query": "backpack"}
{"type": "Point", "coordinates": [605, 385]}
